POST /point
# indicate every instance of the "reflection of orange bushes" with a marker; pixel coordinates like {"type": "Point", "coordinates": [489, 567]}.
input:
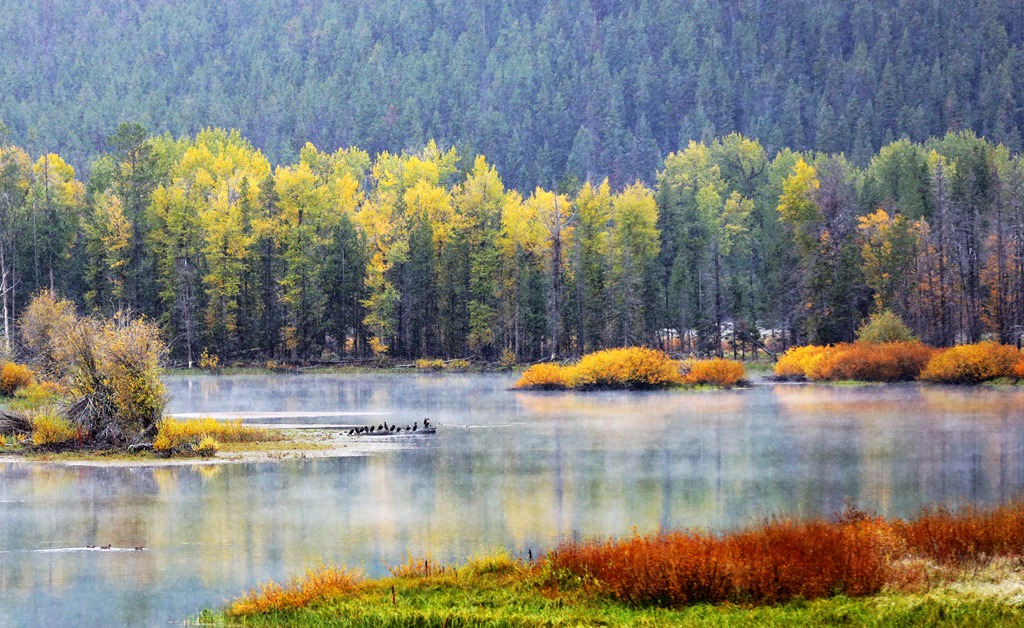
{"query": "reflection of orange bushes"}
{"type": "Point", "coordinates": [777, 561]}
{"type": "Point", "coordinates": [544, 377]}
{"type": "Point", "coordinates": [866, 361]}
{"type": "Point", "coordinates": [968, 364]}
{"type": "Point", "coordinates": [632, 367]}
{"type": "Point", "coordinates": [717, 372]}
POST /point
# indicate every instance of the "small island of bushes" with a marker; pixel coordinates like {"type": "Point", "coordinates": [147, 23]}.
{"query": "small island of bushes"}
{"type": "Point", "coordinates": [92, 386]}
{"type": "Point", "coordinates": [885, 351]}
{"type": "Point", "coordinates": [631, 368]}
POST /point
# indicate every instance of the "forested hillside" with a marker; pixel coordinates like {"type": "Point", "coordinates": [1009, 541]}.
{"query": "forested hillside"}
{"type": "Point", "coordinates": [550, 90]}
{"type": "Point", "coordinates": [430, 253]}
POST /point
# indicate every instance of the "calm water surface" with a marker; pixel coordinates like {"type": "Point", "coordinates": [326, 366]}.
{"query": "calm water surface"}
{"type": "Point", "coordinates": [518, 470]}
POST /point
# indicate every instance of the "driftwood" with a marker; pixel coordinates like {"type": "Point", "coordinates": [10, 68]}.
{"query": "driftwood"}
{"type": "Point", "coordinates": [14, 423]}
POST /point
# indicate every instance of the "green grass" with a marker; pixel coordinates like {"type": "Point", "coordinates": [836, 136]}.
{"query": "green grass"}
{"type": "Point", "coordinates": [515, 600]}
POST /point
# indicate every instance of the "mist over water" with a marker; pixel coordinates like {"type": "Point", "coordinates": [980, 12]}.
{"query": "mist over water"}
{"type": "Point", "coordinates": [513, 469]}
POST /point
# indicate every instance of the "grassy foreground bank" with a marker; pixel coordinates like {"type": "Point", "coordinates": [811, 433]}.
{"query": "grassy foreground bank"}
{"type": "Point", "coordinates": [941, 568]}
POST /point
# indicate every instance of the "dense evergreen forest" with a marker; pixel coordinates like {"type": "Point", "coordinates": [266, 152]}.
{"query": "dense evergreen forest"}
{"type": "Point", "coordinates": [429, 253]}
{"type": "Point", "coordinates": [552, 91]}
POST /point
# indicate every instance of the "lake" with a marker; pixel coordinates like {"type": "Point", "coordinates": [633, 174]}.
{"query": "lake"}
{"type": "Point", "coordinates": [520, 470]}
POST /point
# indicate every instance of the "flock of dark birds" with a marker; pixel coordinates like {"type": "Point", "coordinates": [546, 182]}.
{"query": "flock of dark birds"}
{"type": "Point", "coordinates": [387, 430]}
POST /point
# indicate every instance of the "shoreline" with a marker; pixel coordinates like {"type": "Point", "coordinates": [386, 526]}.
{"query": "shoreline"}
{"type": "Point", "coordinates": [301, 443]}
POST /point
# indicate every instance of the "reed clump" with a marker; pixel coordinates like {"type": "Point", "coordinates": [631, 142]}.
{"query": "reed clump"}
{"type": "Point", "coordinates": [715, 372]}
{"type": "Point", "coordinates": [974, 363]}
{"type": "Point", "coordinates": [187, 437]}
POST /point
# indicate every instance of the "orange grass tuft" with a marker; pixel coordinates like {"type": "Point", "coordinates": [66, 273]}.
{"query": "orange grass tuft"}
{"type": "Point", "coordinates": [971, 364]}
{"type": "Point", "coordinates": [716, 372]}
{"type": "Point", "coordinates": [315, 586]}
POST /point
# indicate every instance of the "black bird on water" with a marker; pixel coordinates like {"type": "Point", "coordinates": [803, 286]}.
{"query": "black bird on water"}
{"type": "Point", "coordinates": [426, 424]}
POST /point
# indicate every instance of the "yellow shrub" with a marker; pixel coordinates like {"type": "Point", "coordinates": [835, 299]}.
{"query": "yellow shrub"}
{"type": "Point", "coordinates": [174, 436]}
{"type": "Point", "coordinates": [429, 365]}
{"type": "Point", "coordinates": [793, 363]}
{"type": "Point", "coordinates": [717, 372]}
{"type": "Point", "coordinates": [630, 367]}
{"type": "Point", "coordinates": [14, 376]}
{"type": "Point", "coordinates": [52, 429]}
{"type": "Point", "coordinates": [457, 365]}
{"type": "Point", "coordinates": [206, 447]}
{"type": "Point", "coordinates": [544, 377]}
{"type": "Point", "coordinates": [42, 391]}
{"type": "Point", "coordinates": [969, 364]}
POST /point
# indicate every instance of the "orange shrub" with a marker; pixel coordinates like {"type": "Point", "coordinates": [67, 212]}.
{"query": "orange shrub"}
{"type": "Point", "coordinates": [864, 361]}
{"type": "Point", "coordinates": [628, 367]}
{"type": "Point", "coordinates": [14, 376]}
{"type": "Point", "coordinates": [793, 363]}
{"type": "Point", "coordinates": [872, 362]}
{"type": "Point", "coordinates": [970, 364]}
{"type": "Point", "coordinates": [777, 561]}
{"type": "Point", "coordinates": [717, 372]}
{"type": "Point", "coordinates": [544, 377]}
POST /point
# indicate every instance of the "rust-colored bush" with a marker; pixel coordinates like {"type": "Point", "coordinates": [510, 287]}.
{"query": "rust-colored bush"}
{"type": "Point", "coordinates": [716, 372]}
{"type": "Point", "coordinates": [871, 362]}
{"type": "Point", "coordinates": [14, 376]}
{"type": "Point", "coordinates": [544, 377]}
{"type": "Point", "coordinates": [628, 368]}
{"type": "Point", "coordinates": [971, 364]}
{"type": "Point", "coordinates": [316, 585]}
{"type": "Point", "coordinates": [864, 361]}
{"type": "Point", "coordinates": [777, 561]}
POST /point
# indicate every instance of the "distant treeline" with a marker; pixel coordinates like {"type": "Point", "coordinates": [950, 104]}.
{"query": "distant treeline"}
{"type": "Point", "coordinates": [550, 90]}
{"type": "Point", "coordinates": [429, 254]}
